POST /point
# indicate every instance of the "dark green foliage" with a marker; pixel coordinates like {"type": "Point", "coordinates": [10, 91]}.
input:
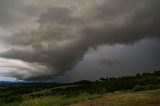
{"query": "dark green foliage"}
{"type": "Point", "coordinates": [102, 79]}
{"type": "Point", "coordinates": [139, 88]}
{"type": "Point", "coordinates": [138, 76]}
{"type": "Point", "coordinates": [151, 87]}
{"type": "Point", "coordinates": [147, 87]}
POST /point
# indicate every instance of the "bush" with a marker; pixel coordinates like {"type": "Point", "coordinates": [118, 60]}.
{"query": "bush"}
{"type": "Point", "coordinates": [10, 99]}
{"type": "Point", "coordinates": [139, 88]}
{"type": "Point", "coordinates": [151, 87]}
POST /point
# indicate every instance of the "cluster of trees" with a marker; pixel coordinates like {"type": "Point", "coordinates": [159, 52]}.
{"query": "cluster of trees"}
{"type": "Point", "coordinates": [145, 81]}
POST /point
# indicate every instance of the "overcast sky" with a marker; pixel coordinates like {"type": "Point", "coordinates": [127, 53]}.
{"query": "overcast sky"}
{"type": "Point", "coordinates": [71, 40]}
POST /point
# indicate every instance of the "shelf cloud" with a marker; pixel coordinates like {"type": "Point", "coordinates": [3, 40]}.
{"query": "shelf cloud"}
{"type": "Point", "coordinates": [41, 40]}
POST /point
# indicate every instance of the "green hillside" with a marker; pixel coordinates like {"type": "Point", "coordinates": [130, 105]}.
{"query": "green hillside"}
{"type": "Point", "coordinates": [48, 94]}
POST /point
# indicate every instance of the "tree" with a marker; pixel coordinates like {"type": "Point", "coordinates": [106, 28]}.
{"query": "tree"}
{"type": "Point", "coordinates": [102, 79]}
{"type": "Point", "coordinates": [138, 76]}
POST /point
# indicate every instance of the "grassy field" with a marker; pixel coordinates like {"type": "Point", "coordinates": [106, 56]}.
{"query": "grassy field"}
{"type": "Point", "coordinates": [143, 98]}
{"type": "Point", "coordinates": [139, 90]}
{"type": "Point", "coordinates": [119, 98]}
{"type": "Point", "coordinates": [54, 101]}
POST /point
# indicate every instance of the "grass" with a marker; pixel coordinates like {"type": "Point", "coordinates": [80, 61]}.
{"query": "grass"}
{"type": "Point", "coordinates": [143, 98]}
{"type": "Point", "coordinates": [121, 98]}
{"type": "Point", "coordinates": [54, 101]}
{"type": "Point", "coordinates": [73, 95]}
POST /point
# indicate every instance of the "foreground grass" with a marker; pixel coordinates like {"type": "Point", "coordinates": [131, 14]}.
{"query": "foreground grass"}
{"type": "Point", "coordinates": [143, 98]}
{"type": "Point", "coordinates": [54, 101]}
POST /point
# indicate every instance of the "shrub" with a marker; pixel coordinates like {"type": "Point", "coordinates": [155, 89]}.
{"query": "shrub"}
{"type": "Point", "coordinates": [139, 88]}
{"type": "Point", "coordinates": [151, 87]}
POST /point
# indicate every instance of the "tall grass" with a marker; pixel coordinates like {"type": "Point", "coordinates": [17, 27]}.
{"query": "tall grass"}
{"type": "Point", "coordinates": [54, 100]}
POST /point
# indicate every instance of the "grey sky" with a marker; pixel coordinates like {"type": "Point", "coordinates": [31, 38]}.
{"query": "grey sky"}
{"type": "Point", "coordinates": [45, 40]}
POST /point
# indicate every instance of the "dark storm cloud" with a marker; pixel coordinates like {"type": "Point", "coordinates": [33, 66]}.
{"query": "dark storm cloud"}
{"type": "Point", "coordinates": [128, 60]}
{"type": "Point", "coordinates": [5, 13]}
{"type": "Point", "coordinates": [14, 11]}
{"type": "Point", "coordinates": [64, 35]}
{"type": "Point", "coordinates": [129, 21]}
{"type": "Point", "coordinates": [107, 62]}
{"type": "Point", "coordinates": [59, 15]}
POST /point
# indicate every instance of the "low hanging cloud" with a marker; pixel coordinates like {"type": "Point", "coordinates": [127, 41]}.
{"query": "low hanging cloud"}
{"type": "Point", "coordinates": [21, 69]}
{"type": "Point", "coordinates": [65, 33]}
